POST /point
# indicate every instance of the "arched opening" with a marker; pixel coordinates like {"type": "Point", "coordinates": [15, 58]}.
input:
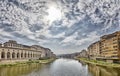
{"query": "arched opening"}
{"type": "Point", "coordinates": [28, 55]}
{"type": "Point", "coordinates": [8, 55]}
{"type": "Point", "coordinates": [21, 55]}
{"type": "Point", "coordinates": [25, 55]}
{"type": "Point", "coordinates": [13, 55]}
{"type": "Point", "coordinates": [3, 55]}
{"type": "Point", "coordinates": [18, 55]}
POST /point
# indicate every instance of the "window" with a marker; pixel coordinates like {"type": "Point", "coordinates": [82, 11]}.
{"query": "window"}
{"type": "Point", "coordinates": [114, 46]}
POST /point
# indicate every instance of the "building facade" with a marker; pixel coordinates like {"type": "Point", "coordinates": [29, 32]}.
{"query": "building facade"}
{"type": "Point", "coordinates": [94, 50]}
{"type": "Point", "coordinates": [107, 49]}
{"type": "Point", "coordinates": [83, 54]}
{"type": "Point", "coordinates": [110, 46]}
{"type": "Point", "coordinates": [11, 50]}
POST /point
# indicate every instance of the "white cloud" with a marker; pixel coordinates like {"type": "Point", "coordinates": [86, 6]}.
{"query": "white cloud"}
{"type": "Point", "coordinates": [4, 33]}
{"type": "Point", "coordinates": [71, 39]}
{"type": "Point", "coordinates": [92, 37]}
{"type": "Point", "coordinates": [83, 15]}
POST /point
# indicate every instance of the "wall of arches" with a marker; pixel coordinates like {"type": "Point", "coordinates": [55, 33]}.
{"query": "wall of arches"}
{"type": "Point", "coordinates": [13, 54]}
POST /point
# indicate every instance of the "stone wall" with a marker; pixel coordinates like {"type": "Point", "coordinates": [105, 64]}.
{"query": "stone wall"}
{"type": "Point", "coordinates": [15, 54]}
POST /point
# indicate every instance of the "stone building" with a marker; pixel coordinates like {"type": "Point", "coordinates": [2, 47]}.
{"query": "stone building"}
{"type": "Point", "coordinates": [11, 50]}
{"type": "Point", "coordinates": [110, 47]}
{"type": "Point", "coordinates": [45, 52]}
{"type": "Point", "coordinates": [48, 53]}
{"type": "Point", "coordinates": [94, 50]}
{"type": "Point", "coordinates": [83, 54]}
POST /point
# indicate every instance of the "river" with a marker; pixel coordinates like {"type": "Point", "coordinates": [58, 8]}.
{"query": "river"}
{"type": "Point", "coordinates": [60, 67]}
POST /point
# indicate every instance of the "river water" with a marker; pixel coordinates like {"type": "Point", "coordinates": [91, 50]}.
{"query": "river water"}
{"type": "Point", "coordinates": [60, 67]}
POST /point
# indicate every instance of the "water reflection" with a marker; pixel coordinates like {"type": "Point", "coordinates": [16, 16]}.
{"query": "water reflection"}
{"type": "Point", "coordinates": [67, 67]}
{"type": "Point", "coordinates": [43, 71]}
{"type": "Point", "coordinates": [60, 67]}
{"type": "Point", "coordinates": [103, 71]}
{"type": "Point", "coordinates": [19, 70]}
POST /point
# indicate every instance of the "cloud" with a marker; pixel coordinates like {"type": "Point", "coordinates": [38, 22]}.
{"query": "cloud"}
{"type": "Point", "coordinates": [91, 37]}
{"type": "Point", "coordinates": [81, 23]}
{"type": "Point", "coordinates": [70, 39]}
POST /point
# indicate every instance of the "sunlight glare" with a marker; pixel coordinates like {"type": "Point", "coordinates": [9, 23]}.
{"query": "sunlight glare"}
{"type": "Point", "coordinates": [54, 14]}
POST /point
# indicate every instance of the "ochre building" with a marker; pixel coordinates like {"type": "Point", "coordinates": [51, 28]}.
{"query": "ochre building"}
{"type": "Point", "coordinates": [107, 49]}
{"type": "Point", "coordinates": [110, 46]}
{"type": "Point", "coordinates": [94, 50]}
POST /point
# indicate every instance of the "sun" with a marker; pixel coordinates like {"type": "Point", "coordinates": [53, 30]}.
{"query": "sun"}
{"type": "Point", "coordinates": [54, 14]}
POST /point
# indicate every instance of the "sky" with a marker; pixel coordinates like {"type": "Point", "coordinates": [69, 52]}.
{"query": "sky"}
{"type": "Point", "coordinates": [64, 26]}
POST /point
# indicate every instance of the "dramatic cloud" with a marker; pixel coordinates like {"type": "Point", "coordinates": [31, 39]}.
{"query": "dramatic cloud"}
{"type": "Point", "coordinates": [65, 26]}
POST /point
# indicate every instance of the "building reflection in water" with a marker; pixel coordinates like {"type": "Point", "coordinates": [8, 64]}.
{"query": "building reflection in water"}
{"type": "Point", "coordinates": [103, 71]}
{"type": "Point", "coordinates": [19, 70]}
{"type": "Point", "coordinates": [60, 67]}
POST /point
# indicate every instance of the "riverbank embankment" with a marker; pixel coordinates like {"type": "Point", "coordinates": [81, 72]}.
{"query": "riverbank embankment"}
{"type": "Point", "coordinates": [24, 62]}
{"type": "Point", "coordinates": [99, 63]}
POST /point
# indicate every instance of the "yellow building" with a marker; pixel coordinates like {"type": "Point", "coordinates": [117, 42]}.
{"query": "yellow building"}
{"type": "Point", "coordinates": [94, 50]}
{"type": "Point", "coordinates": [110, 46]}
